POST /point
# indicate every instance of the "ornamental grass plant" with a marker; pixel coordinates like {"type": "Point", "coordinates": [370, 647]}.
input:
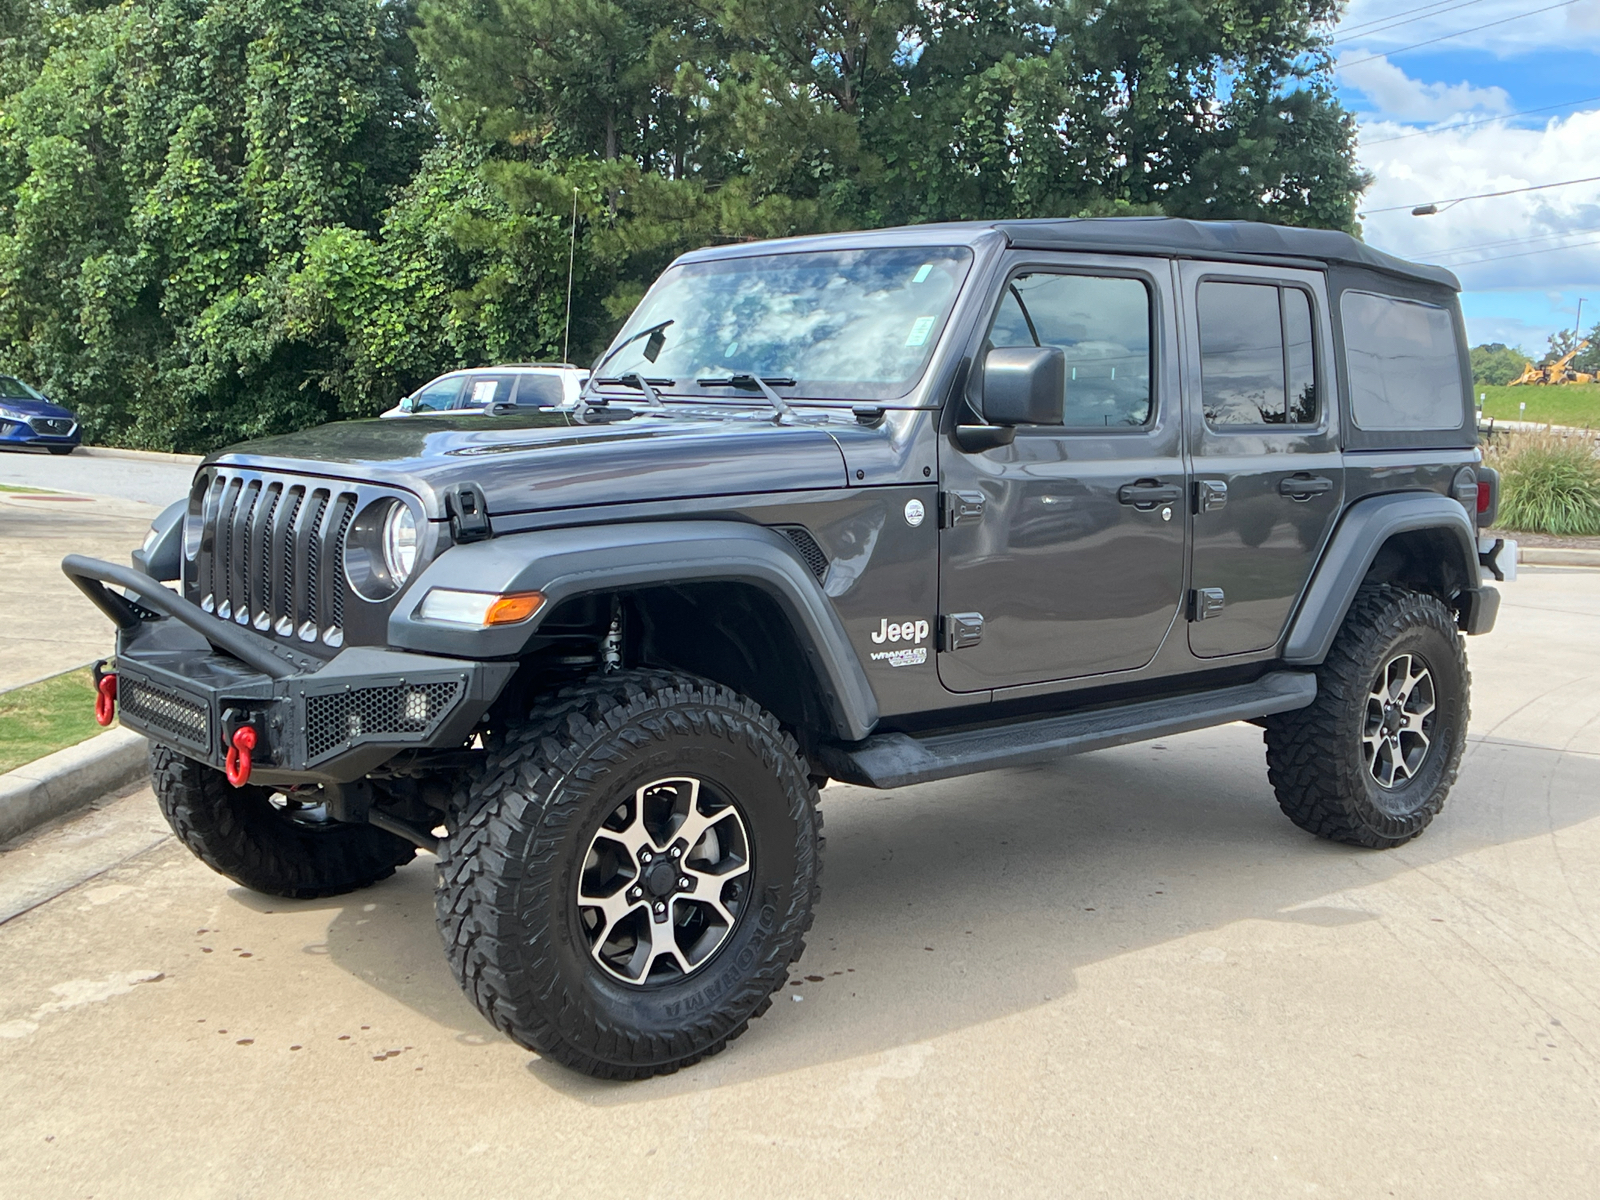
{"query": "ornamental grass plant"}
{"type": "Point", "coordinates": [1549, 483]}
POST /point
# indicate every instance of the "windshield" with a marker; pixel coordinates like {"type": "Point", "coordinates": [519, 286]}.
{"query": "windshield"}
{"type": "Point", "coordinates": [837, 324]}
{"type": "Point", "coordinates": [12, 388]}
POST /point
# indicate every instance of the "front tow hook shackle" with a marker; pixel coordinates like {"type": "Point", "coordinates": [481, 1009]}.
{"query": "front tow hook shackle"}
{"type": "Point", "coordinates": [237, 764]}
{"type": "Point", "coordinates": [105, 699]}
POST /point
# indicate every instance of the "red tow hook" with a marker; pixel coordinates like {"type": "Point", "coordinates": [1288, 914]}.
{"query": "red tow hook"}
{"type": "Point", "coordinates": [237, 764]}
{"type": "Point", "coordinates": [105, 699]}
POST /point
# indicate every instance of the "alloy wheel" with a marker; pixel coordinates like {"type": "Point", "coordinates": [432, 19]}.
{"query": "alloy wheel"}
{"type": "Point", "coordinates": [664, 881]}
{"type": "Point", "coordinates": [1398, 730]}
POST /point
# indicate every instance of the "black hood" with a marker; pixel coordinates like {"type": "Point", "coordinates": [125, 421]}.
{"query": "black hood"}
{"type": "Point", "coordinates": [545, 460]}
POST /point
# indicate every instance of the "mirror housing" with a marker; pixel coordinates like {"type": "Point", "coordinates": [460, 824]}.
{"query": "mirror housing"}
{"type": "Point", "coordinates": [1025, 385]}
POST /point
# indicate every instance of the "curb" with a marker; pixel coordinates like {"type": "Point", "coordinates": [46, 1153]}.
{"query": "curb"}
{"type": "Point", "coordinates": [58, 783]}
{"type": "Point", "coordinates": [1555, 556]}
{"type": "Point", "coordinates": [141, 455]}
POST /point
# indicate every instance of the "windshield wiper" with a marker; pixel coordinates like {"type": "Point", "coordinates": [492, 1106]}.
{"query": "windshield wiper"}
{"type": "Point", "coordinates": [756, 383]}
{"type": "Point", "coordinates": [636, 381]}
{"type": "Point", "coordinates": [652, 352]}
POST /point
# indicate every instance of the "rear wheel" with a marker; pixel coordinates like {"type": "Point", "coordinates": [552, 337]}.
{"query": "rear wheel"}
{"type": "Point", "coordinates": [1371, 760]}
{"type": "Point", "coordinates": [632, 874]}
{"type": "Point", "coordinates": [266, 841]}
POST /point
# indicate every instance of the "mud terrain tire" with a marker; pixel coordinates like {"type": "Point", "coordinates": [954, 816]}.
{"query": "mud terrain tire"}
{"type": "Point", "coordinates": [513, 869]}
{"type": "Point", "coordinates": [1317, 760]}
{"type": "Point", "coordinates": [239, 833]}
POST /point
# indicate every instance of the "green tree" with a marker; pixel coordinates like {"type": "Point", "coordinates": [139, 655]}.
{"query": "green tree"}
{"type": "Point", "coordinates": [1496, 364]}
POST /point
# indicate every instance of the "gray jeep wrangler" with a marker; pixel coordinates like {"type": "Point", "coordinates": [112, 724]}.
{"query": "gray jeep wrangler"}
{"type": "Point", "coordinates": [882, 508]}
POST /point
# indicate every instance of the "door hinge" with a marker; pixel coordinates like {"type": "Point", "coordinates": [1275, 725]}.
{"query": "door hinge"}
{"type": "Point", "coordinates": [468, 512]}
{"type": "Point", "coordinates": [960, 508]}
{"type": "Point", "coordinates": [959, 631]}
{"type": "Point", "coordinates": [1209, 495]}
{"type": "Point", "coordinates": [1204, 603]}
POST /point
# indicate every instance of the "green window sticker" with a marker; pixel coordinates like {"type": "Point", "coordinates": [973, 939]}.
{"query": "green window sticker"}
{"type": "Point", "coordinates": [920, 329]}
{"type": "Point", "coordinates": [922, 272]}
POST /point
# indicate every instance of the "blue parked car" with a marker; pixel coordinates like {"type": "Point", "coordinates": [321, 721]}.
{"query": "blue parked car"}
{"type": "Point", "coordinates": [27, 418]}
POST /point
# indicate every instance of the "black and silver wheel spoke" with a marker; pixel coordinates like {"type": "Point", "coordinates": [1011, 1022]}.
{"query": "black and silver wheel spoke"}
{"type": "Point", "coordinates": [662, 882]}
{"type": "Point", "coordinates": [1397, 732]}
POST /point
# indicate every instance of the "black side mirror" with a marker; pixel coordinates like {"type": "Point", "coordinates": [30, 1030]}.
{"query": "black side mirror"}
{"type": "Point", "coordinates": [1025, 385]}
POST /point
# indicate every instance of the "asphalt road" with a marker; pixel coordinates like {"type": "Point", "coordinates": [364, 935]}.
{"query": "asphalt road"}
{"type": "Point", "coordinates": [1124, 974]}
{"type": "Point", "coordinates": [141, 480]}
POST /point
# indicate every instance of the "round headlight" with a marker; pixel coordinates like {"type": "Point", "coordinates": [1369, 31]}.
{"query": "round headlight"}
{"type": "Point", "coordinates": [399, 542]}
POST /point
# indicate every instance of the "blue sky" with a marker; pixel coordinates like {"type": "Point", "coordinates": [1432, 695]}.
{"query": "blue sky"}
{"type": "Point", "coordinates": [1524, 260]}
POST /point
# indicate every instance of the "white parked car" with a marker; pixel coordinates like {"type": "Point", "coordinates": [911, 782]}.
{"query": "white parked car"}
{"type": "Point", "coordinates": [488, 391]}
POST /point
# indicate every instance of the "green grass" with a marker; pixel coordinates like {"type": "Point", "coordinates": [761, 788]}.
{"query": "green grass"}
{"type": "Point", "coordinates": [46, 716]}
{"type": "Point", "coordinates": [1576, 404]}
{"type": "Point", "coordinates": [11, 487]}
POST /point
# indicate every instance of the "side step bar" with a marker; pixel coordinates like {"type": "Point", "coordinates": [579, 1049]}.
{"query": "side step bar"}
{"type": "Point", "coordinates": [890, 760]}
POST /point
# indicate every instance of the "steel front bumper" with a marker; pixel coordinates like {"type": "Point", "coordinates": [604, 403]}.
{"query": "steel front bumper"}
{"type": "Point", "coordinates": [188, 680]}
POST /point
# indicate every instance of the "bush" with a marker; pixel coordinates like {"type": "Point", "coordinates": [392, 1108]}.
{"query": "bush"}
{"type": "Point", "coordinates": [1549, 484]}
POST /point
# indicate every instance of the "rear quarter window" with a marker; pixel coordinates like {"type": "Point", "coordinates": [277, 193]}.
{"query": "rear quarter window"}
{"type": "Point", "coordinates": [1402, 364]}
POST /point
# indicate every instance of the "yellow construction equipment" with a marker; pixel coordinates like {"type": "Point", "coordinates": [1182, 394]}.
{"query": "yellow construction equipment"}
{"type": "Point", "coordinates": [1557, 372]}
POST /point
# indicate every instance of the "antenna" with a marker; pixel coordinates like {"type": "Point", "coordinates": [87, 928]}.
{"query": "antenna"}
{"type": "Point", "coordinates": [572, 251]}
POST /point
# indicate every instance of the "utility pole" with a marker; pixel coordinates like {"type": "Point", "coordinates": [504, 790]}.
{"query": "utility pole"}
{"type": "Point", "coordinates": [1577, 330]}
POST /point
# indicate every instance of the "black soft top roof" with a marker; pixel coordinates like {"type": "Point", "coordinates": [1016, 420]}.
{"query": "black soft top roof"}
{"type": "Point", "coordinates": [1213, 239]}
{"type": "Point", "coordinates": [1240, 241]}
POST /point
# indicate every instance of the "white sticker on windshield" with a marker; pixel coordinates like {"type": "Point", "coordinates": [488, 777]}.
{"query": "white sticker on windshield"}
{"type": "Point", "coordinates": [483, 392]}
{"type": "Point", "coordinates": [920, 329]}
{"type": "Point", "coordinates": [922, 272]}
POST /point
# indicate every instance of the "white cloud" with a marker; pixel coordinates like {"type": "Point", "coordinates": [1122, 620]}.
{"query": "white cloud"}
{"type": "Point", "coordinates": [1363, 26]}
{"type": "Point", "coordinates": [1397, 96]}
{"type": "Point", "coordinates": [1486, 242]}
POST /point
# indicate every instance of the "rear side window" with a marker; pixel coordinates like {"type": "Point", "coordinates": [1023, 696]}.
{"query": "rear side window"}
{"type": "Point", "coordinates": [540, 391]}
{"type": "Point", "coordinates": [1402, 362]}
{"type": "Point", "coordinates": [1103, 324]}
{"type": "Point", "coordinates": [1258, 361]}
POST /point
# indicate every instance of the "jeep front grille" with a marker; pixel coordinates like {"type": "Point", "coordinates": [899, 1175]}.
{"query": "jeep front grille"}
{"type": "Point", "coordinates": [337, 718]}
{"type": "Point", "coordinates": [162, 710]}
{"type": "Point", "coordinates": [271, 552]}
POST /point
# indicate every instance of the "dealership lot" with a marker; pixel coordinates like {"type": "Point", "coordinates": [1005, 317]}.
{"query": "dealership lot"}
{"type": "Point", "coordinates": [1125, 972]}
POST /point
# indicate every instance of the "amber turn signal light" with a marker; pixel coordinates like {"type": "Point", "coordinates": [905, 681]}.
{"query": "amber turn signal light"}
{"type": "Point", "coordinates": [509, 609]}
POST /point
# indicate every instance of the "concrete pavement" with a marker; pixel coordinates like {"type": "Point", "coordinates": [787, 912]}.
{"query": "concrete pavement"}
{"type": "Point", "coordinates": [1123, 974]}
{"type": "Point", "coordinates": [46, 624]}
{"type": "Point", "coordinates": [143, 479]}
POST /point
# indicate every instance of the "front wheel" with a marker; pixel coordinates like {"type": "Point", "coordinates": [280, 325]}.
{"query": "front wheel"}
{"type": "Point", "coordinates": [59, 450]}
{"type": "Point", "coordinates": [1371, 760]}
{"type": "Point", "coordinates": [632, 873]}
{"type": "Point", "coordinates": [268, 842]}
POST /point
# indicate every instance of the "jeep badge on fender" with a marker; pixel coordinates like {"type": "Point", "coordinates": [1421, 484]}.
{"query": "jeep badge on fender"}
{"type": "Point", "coordinates": [594, 656]}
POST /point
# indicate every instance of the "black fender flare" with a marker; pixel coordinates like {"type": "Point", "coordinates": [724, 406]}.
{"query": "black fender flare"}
{"type": "Point", "coordinates": [564, 563]}
{"type": "Point", "coordinates": [1361, 533]}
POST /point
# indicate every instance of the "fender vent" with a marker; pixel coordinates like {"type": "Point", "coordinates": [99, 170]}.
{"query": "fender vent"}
{"type": "Point", "coordinates": [816, 561]}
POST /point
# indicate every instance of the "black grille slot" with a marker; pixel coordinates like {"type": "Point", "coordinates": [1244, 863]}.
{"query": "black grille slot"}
{"type": "Point", "coordinates": [54, 426]}
{"type": "Point", "coordinates": [816, 561]}
{"type": "Point", "coordinates": [163, 711]}
{"type": "Point", "coordinates": [271, 554]}
{"type": "Point", "coordinates": [341, 717]}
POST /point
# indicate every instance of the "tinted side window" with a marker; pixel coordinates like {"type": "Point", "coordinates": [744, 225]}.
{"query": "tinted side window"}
{"type": "Point", "coordinates": [1241, 354]}
{"type": "Point", "coordinates": [1103, 325]}
{"type": "Point", "coordinates": [540, 391]}
{"type": "Point", "coordinates": [1402, 362]}
{"type": "Point", "coordinates": [484, 390]}
{"type": "Point", "coordinates": [438, 395]}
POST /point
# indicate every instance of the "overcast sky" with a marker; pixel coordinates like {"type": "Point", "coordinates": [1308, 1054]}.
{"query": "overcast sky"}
{"type": "Point", "coordinates": [1524, 260]}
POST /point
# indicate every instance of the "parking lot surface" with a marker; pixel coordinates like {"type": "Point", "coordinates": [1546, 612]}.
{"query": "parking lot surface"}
{"type": "Point", "coordinates": [46, 624]}
{"type": "Point", "coordinates": [143, 480]}
{"type": "Point", "coordinates": [1121, 974]}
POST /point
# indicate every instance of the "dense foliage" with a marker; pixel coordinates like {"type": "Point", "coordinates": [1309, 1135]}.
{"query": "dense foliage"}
{"type": "Point", "coordinates": [1496, 364]}
{"type": "Point", "coordinates": [225, 219]}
